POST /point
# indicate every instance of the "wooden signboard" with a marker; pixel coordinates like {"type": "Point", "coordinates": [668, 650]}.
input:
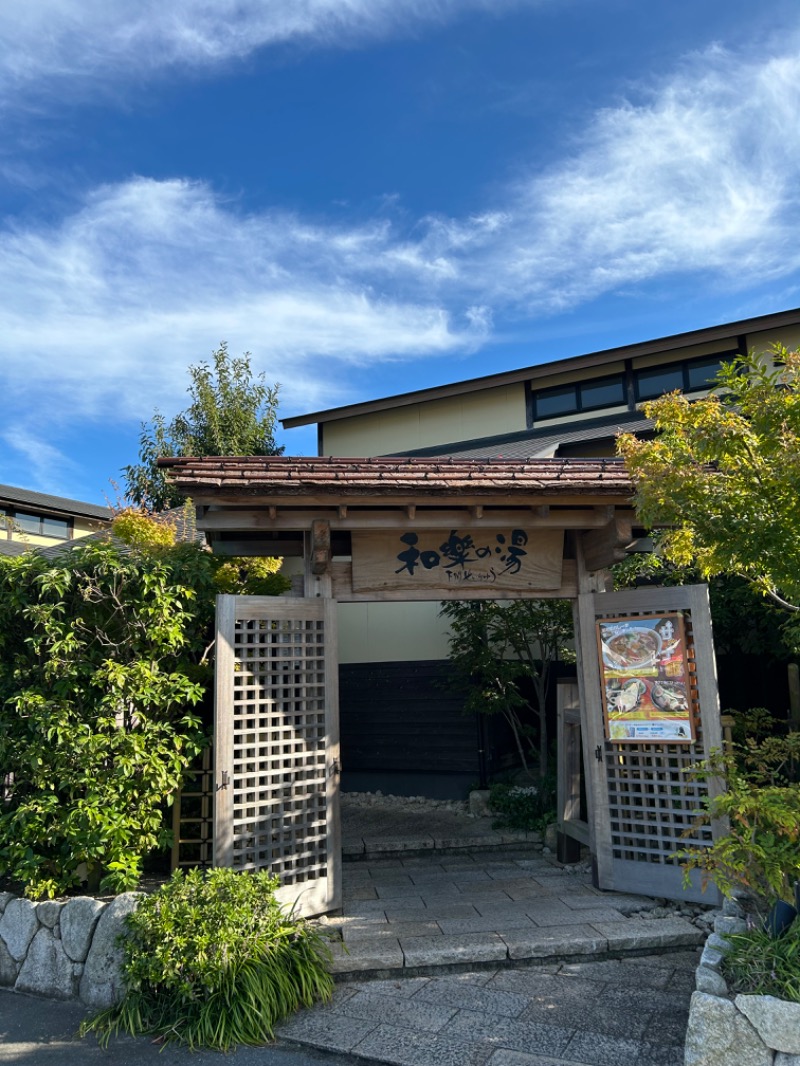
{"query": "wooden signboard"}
{"type": "Point", "coordinates": [504, 559]}
{"type": "Point", "coordinates": [644, 671]}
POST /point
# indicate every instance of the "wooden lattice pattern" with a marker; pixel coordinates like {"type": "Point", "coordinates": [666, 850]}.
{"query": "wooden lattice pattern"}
{"type": "Point", "coordinates": [193, 817]}
{"type": "Point", "coordinates": [653, 801]}
{"type": "Point", "coordinates": [279, 763]}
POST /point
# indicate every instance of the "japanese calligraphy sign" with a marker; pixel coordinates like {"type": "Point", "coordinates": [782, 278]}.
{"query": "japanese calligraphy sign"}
{"type": "Point", "coordinates": [644, 670]}
{"type": "Point", "coordinates": [502, 559]}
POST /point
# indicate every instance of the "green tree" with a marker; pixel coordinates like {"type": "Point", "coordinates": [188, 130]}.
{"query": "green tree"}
{"type": "Point", "coordinates": [493, 645]}
{"type": "Point", "coordinates": [233, 412]}
{"type": "Point", "coordinates": [104, 656]}
{"type": "Point", "coordinates": [723, 476]}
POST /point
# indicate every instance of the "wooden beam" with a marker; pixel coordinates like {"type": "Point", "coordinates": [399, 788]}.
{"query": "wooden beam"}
{"type": "Point", "coordinates": [320, 547]}
{"type": "Point", "coordinates": [476, 511]}
{"type": "Point", "coordinates": [495, 498]}
{"type": "Point", "coordinates": [605, 546]}
{"type": "Point", "coordinates": [256, 518]}
{"type": "Point", "coordinates": [342, 584]}
{"type": "Point", "coordinates": [411, 511]}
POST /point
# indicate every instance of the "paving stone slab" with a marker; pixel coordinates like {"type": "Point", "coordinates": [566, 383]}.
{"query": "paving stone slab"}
{"type": "Point", "coordinates": [408, 910]}
{"type": "Point", "coordinates": [653, 933]}
{"type": "Point", "coordinates": [477, 997]}
{"type": "Point", "coordinates": [390, 878]}
{"type": "Point", "coordinates": [601, 1050]}
{"type": "Point", "coordinates": [404, 1047]}
{"type": "Point", "coordinates": [661, 1054]}
{"type": "Point", "coordinates": [612, 971]}
{"type": "Point", "coordinates": [547, 989]}
{"type": "Point", "coordinates": [594, 1014]}
{"type": "Point", "coordinates": [362, 908]}
{"type": "Point", "coordinates": [331, 1032]}
{"type": "Point", "coordinates": [360, 892]}
{"type": "Point", "coordinates": [432, 892]}
{"type": "Point", "coordinates": [400, 987]}
{"type": "Point", "coordinates": [546, 942]}
{"type": "Point", "coordinates": [504, 1057]}
{"type": "Point", "coordinates": [483, 924]}
{"type": "Point", "coordinates": [580, 898]}
{"type": "Point", "coordinates": [410, 1012]}
{"type": "Point", "coordinates": [391, 929]}
{"type": "Point", "coordinates": [446, 950]}
{"type": "Point", "coordinates": [445, 908]}
{"type": "Point", "coordinates": [488, 908]}
{"type": "Point", "coordinates": [508, 1033]}
{"type": "Point", "coordinates": [388, 891]}
{"type": "Point", "coordinates": [545, 917]}
{"type": "Point", "coordinates": [372, 954]}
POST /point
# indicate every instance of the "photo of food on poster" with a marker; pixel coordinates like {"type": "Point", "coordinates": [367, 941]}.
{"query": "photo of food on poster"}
{"type": "Point", "coordinates": [644, 673]}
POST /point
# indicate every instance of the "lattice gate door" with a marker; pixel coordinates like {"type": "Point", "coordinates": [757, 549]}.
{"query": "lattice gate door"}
{"type": "Point", "coordinates": [276, 741]}
{"type": "Point", "coordinates": [641, 797]}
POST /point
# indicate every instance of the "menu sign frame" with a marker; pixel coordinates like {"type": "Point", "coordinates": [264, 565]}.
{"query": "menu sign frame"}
{"type": "Point", "coordinates": [644, 674]}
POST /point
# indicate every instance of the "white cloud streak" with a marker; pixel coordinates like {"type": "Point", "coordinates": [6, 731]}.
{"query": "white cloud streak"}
{"type": "Point", "coordinates": [697, 178]}
{"type": "Point", "coordinates": [77, 45]}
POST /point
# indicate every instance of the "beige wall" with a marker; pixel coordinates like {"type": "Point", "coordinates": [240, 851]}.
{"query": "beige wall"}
{"type": "Point", "coordinates": [423, 425]}
{"type": "Point", "coordinates": [82, 527]}
{"type": "Point", "coordinates": [391, 632]}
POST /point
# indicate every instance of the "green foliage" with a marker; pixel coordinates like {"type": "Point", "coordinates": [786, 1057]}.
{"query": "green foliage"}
{"type": "Point", "coordinates": [138, 530]}
{"type": "Point", "coordinates": [759, 964]}
{"type": "Point", "coordinates": [724, 475]}
{"type": "Point", "coordinates": [98, 676]}
{"type": "Point", "coordinates": [233, 412]}
{"type": "Point", "coordinates": [760, 852]}
{"type": "Point", "coordinates": [212, 960]}
{"type": "Point", "coordinates": [744, 620]}
{"type": "Point", "coordinates": [493, 645]}
{"type": "Point", "coordinates": [531, 807]}
{"type": "Point", "coordinates": [251, 576]}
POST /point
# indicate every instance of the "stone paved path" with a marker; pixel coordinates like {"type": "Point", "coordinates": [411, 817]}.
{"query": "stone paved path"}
{"type": "Point", "coordinates": [623, 1012]}
{"type": "Point", "coordinates": [440, 910]}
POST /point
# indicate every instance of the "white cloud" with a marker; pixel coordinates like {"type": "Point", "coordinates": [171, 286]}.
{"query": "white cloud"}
{"type": "Point", "coordinates": [78, 44]}
{"type": "Point", "coordinates": [107, 310]}
{"type": "Point", "coordinates": [697, 178]}
{"type": "Point", "coordinates": [700, 174]}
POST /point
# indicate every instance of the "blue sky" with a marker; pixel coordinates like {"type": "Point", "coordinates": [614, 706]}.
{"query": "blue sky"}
{"type": "Point", "coordinates": [371, 196]}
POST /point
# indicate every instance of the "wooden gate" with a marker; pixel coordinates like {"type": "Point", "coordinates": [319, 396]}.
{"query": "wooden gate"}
{"type": "Point", "coordinates": [641, 796]}
{"type": "Point", "coordinates": [276, 740]}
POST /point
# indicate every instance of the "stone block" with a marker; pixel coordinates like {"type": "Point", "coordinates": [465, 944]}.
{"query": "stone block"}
{"type": "Point", "coordinates": [775, 1020]}
{"type": "Point", "coordinates": [101, 983]}
{"type": "Point", "coordinates": [9, 967]}
{"type": "Point", "coordinates": [47, 971]}
{"type": "Point", "coordinates": [78, 919]}
{"type": "Point", "coordinates": [550, 942]}
{"type": "Point", "coordinates": [5, 899]}
{"type": "Point", "coordinates": [446, 950]}
{"type": "Point", "coordinates": [718, 1035]}
{"type": "Point", "coordinates": [377, 954]}
{"type": "Point", "coordinates": [479, 803]}
{"type": "Point", "coordinates": [48, 912]}
{"type": "Point", "coordinates": [18, 927]}
{"type": "Point", "coordinates": [782, 1059]}
{"type": "Point", "coordinates": [639, 933]}
{"type": "Point", "coordinates": [728, 925]}
{"type": "Point", "coordinates": [711, 981]}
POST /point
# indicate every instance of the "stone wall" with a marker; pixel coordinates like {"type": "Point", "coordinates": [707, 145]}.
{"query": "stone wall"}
{"type": "Point", "coordinates": [740, 1030]}
{"type": "Point", "coordinates": [66, 949]}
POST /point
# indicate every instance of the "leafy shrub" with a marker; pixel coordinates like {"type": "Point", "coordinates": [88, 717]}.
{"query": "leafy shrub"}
{"type": "Point", "coordinates": [98, 677]}
{"type": "Point", "coordinates": [531, 808]}
{"type": "Point", "coordinates": [762, 965]}
{"type": "Point", "coordinates": [760, 853]}
{"type": "Point", "coordinates": [212, 960]}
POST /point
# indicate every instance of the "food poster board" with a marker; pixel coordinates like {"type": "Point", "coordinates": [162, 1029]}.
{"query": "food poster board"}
{"type": "Point", "coordinates": [645, 678]}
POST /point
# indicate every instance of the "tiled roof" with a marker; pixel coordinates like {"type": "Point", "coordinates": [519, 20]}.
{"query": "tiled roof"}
{"type": "Point", "coordinates": [10, 495]}
{"type": "Point", "coordinates": [541, 442]}
{"type": "Point", "coordinates": [282, 476]}
{"type": "Point", "coordinates": [14, 547]}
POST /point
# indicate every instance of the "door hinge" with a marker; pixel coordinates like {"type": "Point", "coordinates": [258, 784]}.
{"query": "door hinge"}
{"type": "Point", "coordinates": [598, 753]}
{"type": "Point", "coordinates": [224, 781]}
{"type": "Point", "coordinates": [336, 768]}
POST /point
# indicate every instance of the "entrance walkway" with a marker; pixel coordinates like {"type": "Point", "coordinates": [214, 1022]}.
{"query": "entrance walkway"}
{"type": "Point", "coordinates": [406, 916]}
